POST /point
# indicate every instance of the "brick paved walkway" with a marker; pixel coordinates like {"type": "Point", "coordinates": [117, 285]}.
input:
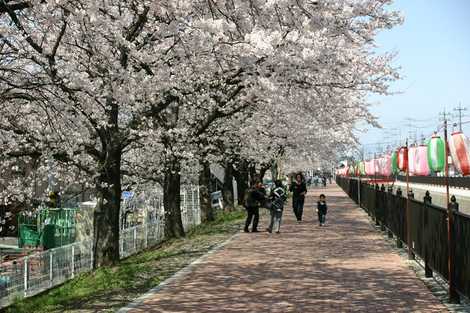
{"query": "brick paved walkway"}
{"type": "Point", "coordinates": [343, 267]}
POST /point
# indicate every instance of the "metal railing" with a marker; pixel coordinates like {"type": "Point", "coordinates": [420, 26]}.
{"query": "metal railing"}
{"type": "Point", "coordinates": [428, 229]}
{"type": "Point", "coordinates": [35, 273]}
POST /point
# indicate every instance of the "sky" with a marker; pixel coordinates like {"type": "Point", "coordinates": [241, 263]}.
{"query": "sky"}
{"type": "Point", "coordinates": [433, 46]}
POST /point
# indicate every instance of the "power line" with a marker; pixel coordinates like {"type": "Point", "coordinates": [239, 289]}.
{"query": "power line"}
{"type": "Point", "coordinates": [460, 109]}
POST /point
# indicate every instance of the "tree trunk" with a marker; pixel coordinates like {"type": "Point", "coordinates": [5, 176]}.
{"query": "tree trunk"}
{"type": "Point", "coordinates": [171, 200]}
{"type": "Point", "coordinates": [207, 213]}
{"type": "Point", "coordinates": [252, 171]}
{"type": "Point", "coordinates": [106, 214]}
{"type": "Point", "coordinates": [241, 176]}
{"type": "Point", "coordinates": [274, 170]}
{"type": "Point", "coordinates": [227, 189]}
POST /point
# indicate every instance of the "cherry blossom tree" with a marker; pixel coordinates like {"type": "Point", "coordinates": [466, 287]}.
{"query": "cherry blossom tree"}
{"type": "Point", "coordinates": [117, 91]}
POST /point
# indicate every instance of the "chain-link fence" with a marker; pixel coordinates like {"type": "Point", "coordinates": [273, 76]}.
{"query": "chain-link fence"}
{"type": "Point", "coordinates": [32, 274]}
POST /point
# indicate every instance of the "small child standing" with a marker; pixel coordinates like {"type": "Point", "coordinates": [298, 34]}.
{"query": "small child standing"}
{"type": "Point", "coordinates": [278, 197]}
{"type": "Point", "coordinates": [322, 209]}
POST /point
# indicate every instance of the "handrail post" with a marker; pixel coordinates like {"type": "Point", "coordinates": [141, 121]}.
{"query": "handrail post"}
{"type": "Point", "coordinates": [359, 191]}
{"type": "Point", "coordinates": [453, 295]}
{"type": "Point", "coordinates": [427, 200]}
{"type": "Point", "coordinates": [73, 261]}
{"type": "Point", "coordinates": [25, 275]}
{"type": "Point", "coordinates": [51, 268]}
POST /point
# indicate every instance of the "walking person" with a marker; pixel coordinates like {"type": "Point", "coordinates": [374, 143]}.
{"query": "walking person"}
{"type": "Point", "coordinates": [322, 209]}
{"type": "Point", "coordinates": [278, 197]}
{"type": "Point", "coordinates": [298, 189]}
{"type": "Point", "coordinates": [254, 198]}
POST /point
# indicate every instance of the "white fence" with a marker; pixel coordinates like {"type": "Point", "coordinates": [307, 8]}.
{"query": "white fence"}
{"type": "Point", "coordinates": [38, 272]}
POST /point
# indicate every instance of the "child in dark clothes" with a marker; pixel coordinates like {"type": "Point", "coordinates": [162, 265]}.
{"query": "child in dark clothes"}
{"type": "Point", "coordinates": [322, 209]}
{"type": "Point", "coordinates": [278, 197]}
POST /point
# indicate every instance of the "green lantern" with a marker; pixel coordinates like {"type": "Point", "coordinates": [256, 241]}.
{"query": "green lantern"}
{"type": "Point", "coordinates": [395, 169]}
{"type": "Point", "coordinates": [351, 170]}
{"type": "Point", "coordinates": [436, 154]}
{"type": "Point", "coordinates": [362, 168]}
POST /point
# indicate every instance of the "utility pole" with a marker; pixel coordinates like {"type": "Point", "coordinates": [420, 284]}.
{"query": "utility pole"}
{"type": "Point", "coordinates": [460, 111]}
{"type": "Point", "coordinates": [453, 295]}
{"type": "Point", "coordinates": [412, 129]}
{"type": "Point", "coordinates": [408, 207]}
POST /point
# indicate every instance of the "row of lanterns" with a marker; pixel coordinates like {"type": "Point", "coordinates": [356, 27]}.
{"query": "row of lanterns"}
{"type": "Point", "coordinates": [419, 160]}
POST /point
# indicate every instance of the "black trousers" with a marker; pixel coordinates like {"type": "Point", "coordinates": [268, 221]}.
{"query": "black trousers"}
{"type": "Point", "coordinates": [253, 214]}
{"type": "Point", "coordinates": [298, 206]}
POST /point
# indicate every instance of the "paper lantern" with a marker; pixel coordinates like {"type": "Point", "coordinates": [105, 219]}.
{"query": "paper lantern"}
{"type": "Point", "coordinates": [403, 159]}
{"type": "Point", "coordinates": [436, 154]}
{"type": "Point", "coordinates": [421, 161]}
{"type": "Point", "coordinates": [362, 168]}
{"type": "Point", "coordinates": [411, 160]}
{"type": "Point", "coordinates": [394, 163]}
{"type": "Point", "coordinates": [459, 146]}
{"type": "Point", "coordinates": [387, 165]}
{"type": "Point", "coordinates": [370, 169]}
{"type": "Point", "coordinates": [379, 166]}
{"type": "Point", "coordinates": [352, 170]}
{"type": "Point", "coordinates": [367, 167]}
{"type": "Point", "coordinates": [340, 171]}
{"type": "Point", "coordinates": [358, 168]}
{"type": "Point", "coordinates": [376, 166]}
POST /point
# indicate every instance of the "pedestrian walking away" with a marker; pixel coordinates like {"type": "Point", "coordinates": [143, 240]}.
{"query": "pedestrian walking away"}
{"type": "Point", "coordinates": [278, 197]}
{"type": "Point", "coordinates": [322, 209]}
{"type": "Point", "coordinates": [298, 189]}
{"type": "Point", "coordinates": [254, 198]}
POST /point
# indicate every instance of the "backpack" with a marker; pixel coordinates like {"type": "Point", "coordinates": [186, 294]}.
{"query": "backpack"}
{"type": "Point", "coordinates": [279, 196]}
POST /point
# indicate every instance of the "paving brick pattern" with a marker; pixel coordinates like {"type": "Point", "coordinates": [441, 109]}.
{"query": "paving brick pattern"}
{"type": "Point", "coordinates": [345, 266]}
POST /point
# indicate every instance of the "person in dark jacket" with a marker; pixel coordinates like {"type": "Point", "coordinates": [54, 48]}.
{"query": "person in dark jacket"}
{"type": "Point", "coordinates": [322, 209]}
{"type": "Point", "coordinates": [298, 189]}
{"type": "Point", "coordinates": [254, 199]}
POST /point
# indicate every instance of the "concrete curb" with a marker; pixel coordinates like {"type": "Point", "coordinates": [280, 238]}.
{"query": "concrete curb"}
{"type": "Point", "coordinates": [175, 277]}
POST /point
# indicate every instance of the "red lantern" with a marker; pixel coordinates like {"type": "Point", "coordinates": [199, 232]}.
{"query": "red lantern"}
{"type": "Point", "coordinates": [403, 159]}
{"type": "Point", "coordinates": [459, 149]}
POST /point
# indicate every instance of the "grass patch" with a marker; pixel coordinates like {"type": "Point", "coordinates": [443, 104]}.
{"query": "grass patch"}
{"type": "Point", "coordinates": [110, 288]}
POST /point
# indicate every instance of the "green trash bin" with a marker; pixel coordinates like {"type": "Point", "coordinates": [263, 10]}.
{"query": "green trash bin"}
{"type": "Point", "coordinates": [49, 238]}
{"type": "Point", "coordinates": [49, 228]}
{"type": "Point", "coordinates": [29, 236]}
